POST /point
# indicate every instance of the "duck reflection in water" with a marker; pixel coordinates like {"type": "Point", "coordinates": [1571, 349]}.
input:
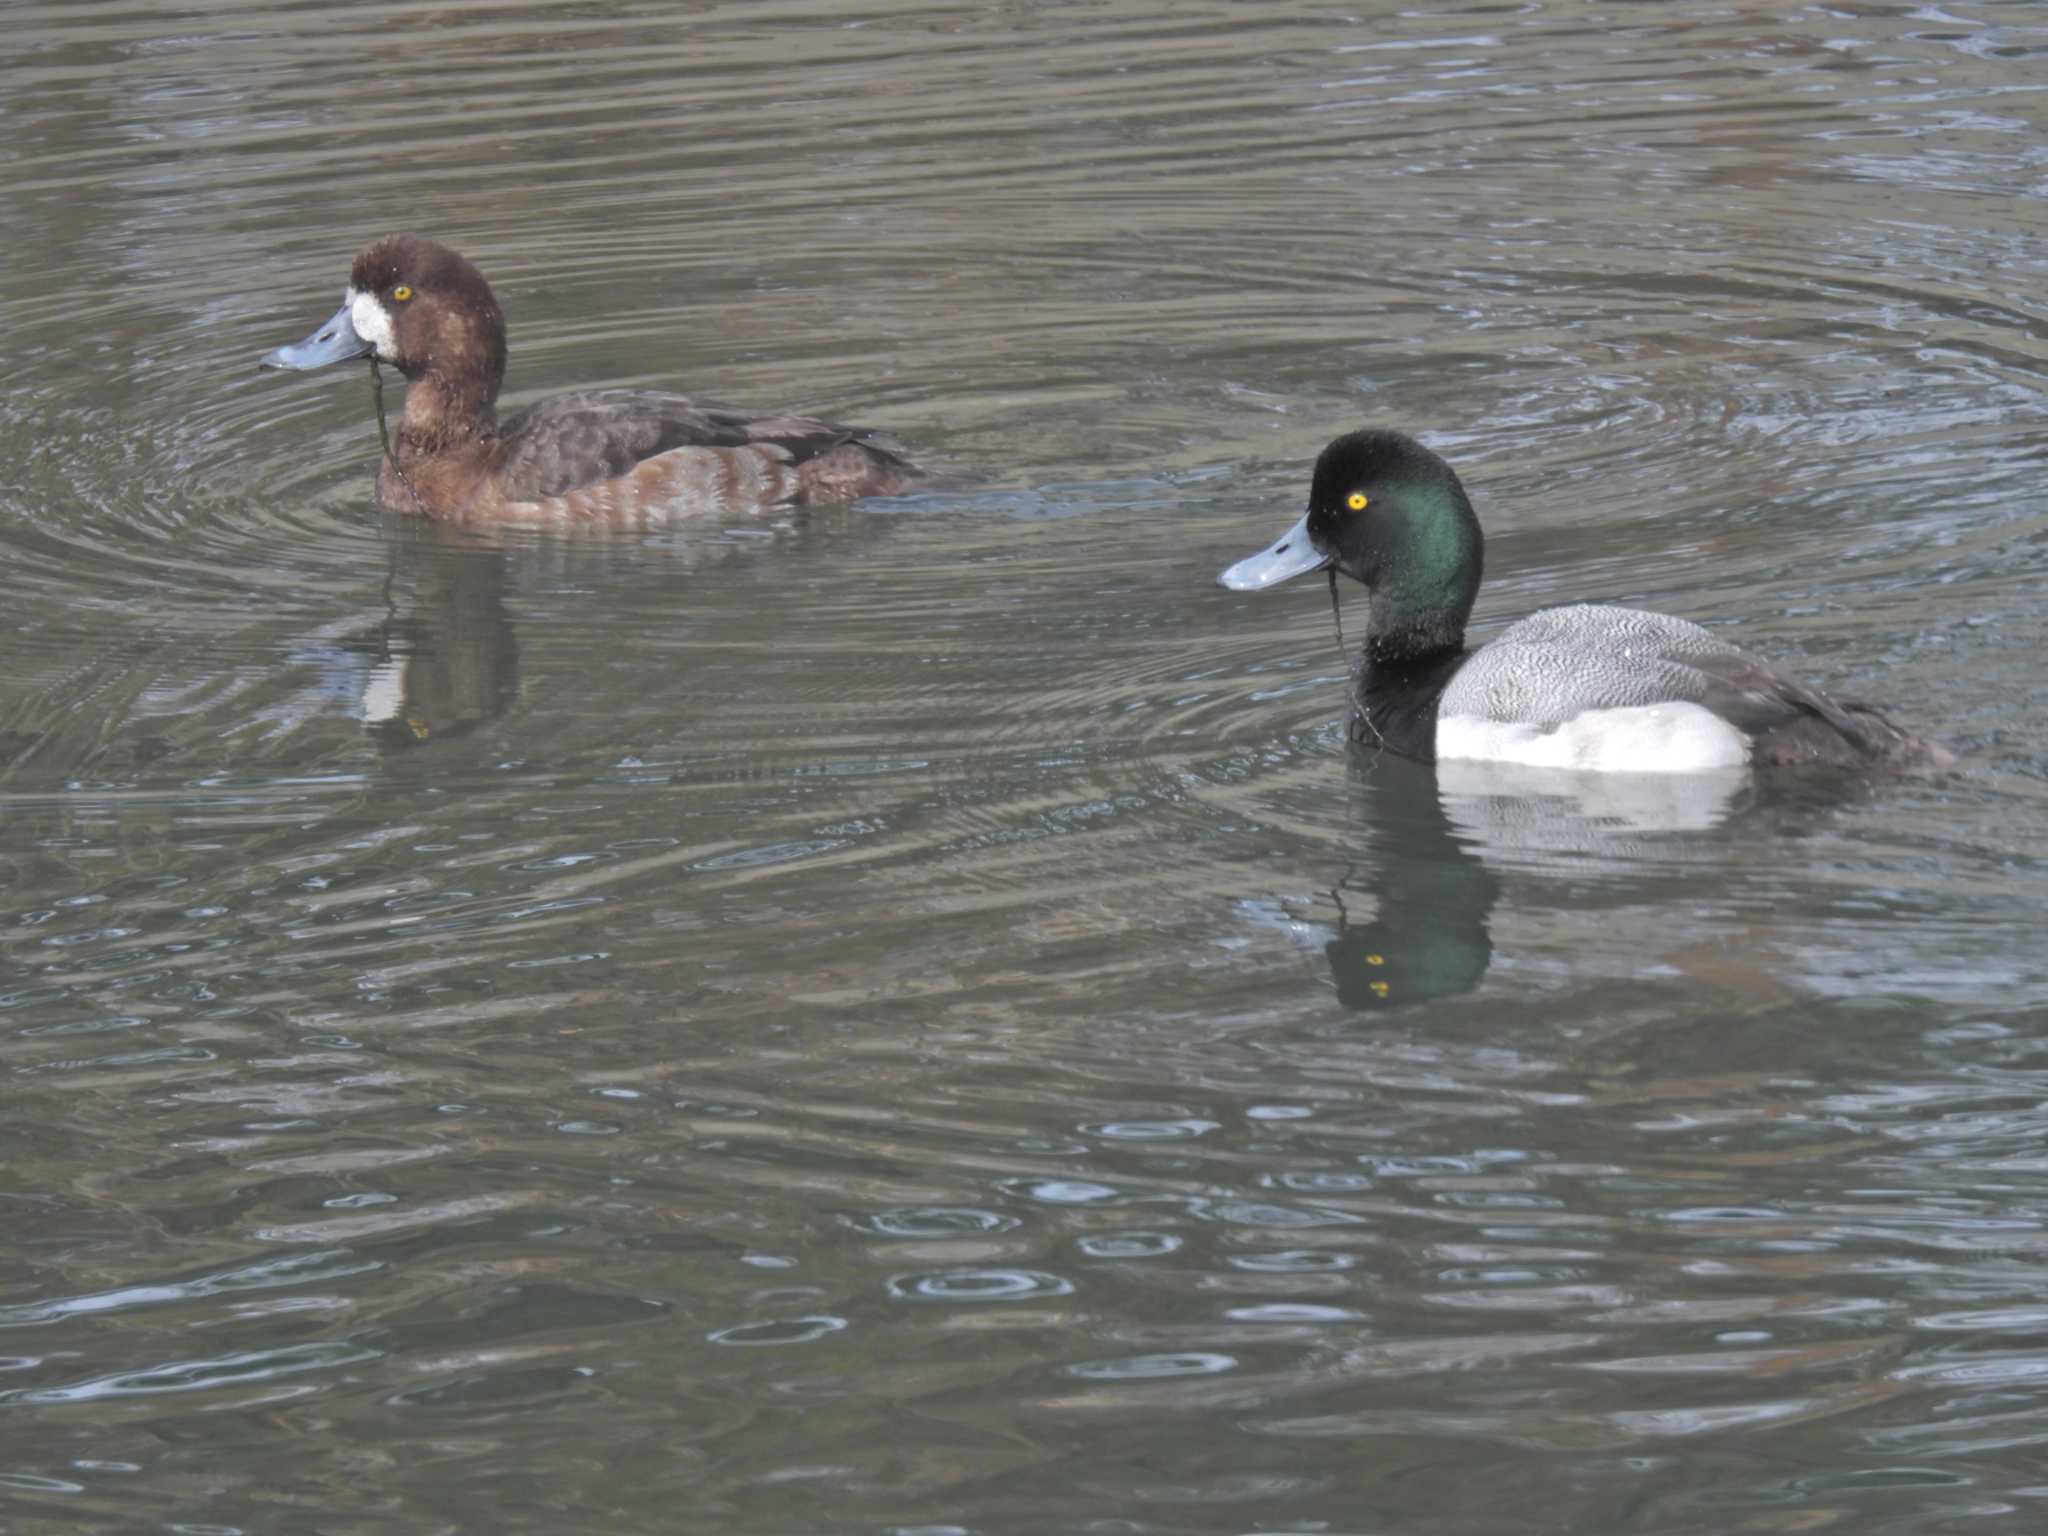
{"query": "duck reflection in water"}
{"type": "Point", "coordinates": [450, 659]}
{"type": "Point", "coordinates": [1422, 931]}
{"type": "Point", "coordinates": [1435, 840]}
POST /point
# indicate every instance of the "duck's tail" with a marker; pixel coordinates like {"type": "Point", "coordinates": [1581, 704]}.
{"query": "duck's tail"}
{"type": "Point", "coordinates": [859, 464]}
{"type": "Point", "coordinates": [1853, 735]}
{"type": "Point", "coordinates": [1895, 746]}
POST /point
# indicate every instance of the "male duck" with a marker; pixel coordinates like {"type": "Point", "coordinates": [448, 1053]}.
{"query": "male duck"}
{"type": "Point", "coordinates": [627, 456]}
{"type": "Point", "coordinates": [1584, 687]}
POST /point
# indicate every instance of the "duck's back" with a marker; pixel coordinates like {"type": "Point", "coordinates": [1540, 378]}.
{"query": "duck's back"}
{"type": "Point", "coordinates": [653, 442]}
{"type": "Point", "coordinates": [1606, 681]}
{"type": "Point", "coordinates": [1562, 662]}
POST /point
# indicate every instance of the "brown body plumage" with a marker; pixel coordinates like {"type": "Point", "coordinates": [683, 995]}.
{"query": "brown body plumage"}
{"type": "Point", "coordinates": [626, 457]}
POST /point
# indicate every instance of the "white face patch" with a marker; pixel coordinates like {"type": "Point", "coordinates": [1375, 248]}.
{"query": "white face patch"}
{"type": "Point", "coordinates": [372, 322]}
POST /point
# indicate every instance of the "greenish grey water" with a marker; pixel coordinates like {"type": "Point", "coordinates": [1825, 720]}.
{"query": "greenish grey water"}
{"type": "Point", "coordinates": [910, 1018]}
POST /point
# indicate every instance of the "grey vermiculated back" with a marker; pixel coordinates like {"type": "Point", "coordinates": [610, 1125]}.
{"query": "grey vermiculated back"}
{"type": "Point", "coordinates": [1554, 664]}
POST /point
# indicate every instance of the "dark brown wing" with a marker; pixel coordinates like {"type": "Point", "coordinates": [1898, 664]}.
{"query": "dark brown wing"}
{"type": "Point", "coordinates": [571, 441]}
{"type": "Point", "coordinates": [1791, 723]}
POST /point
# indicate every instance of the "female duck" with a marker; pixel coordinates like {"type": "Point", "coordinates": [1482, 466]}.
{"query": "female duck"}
{"type": "Point", "coordinates": [1584, 687]}
{"type": "Point", "coordinates": [626, 456]}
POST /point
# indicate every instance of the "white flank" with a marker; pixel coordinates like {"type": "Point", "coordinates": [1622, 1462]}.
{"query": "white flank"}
{"type": "Point", "coordinates": [373, 323]}
{"type": "Point", "coordinates": [1645, 738]}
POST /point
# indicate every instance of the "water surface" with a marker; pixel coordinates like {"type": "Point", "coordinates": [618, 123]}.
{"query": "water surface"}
{"type": "Point", "coordinates": [910, 1017]}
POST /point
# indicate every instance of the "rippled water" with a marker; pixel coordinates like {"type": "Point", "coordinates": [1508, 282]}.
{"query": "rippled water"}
{"type": "Point", "coordinates": [910, 1018]}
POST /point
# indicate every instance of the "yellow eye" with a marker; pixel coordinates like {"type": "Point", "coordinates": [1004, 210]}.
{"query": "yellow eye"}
{"type": "Point", "coordinates": [1378, 988]}
{"type": "Point", "coordinates": [401, 293]}
{"type": "Point", "coordinates": [1355, 501]}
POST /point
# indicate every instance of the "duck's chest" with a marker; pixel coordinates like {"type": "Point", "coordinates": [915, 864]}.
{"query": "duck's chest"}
{"type": "Point", "coordinates": [1394, 703]}
{"type": "Point", "coordinates": [452, 483]}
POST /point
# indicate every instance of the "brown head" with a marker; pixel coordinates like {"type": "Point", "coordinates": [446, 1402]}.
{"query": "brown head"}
{"type": "Point", "coordinates": [427, 310]}
{"type": "Point", "coordinates": [429, 313]}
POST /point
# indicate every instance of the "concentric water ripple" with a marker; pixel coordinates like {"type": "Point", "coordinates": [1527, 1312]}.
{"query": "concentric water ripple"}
{"type": "Point", "coordinates": [911, 1017]}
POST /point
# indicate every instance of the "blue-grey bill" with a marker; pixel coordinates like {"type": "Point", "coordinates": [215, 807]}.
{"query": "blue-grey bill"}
{"type": "Point", "coordinates": [334, 342]}
{"type": "Point", "coordinates": [1289, 555]}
